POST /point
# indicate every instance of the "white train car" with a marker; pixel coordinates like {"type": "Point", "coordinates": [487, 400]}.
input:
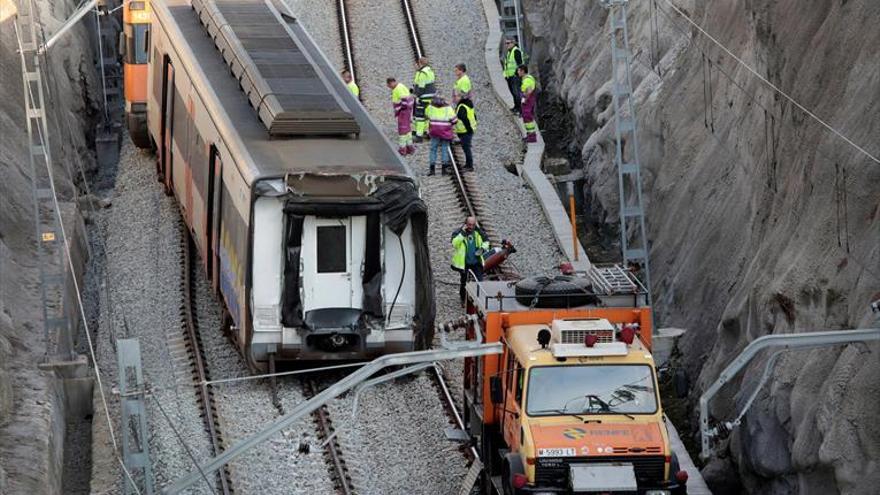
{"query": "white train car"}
{"type": "Point", "coordinates": [310, 227]}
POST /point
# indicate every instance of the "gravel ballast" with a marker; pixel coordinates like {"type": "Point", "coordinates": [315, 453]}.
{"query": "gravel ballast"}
{"type": "Point", "coordinates": [396, 444]}
{"type": "Point", "coordinates": [139, 297]}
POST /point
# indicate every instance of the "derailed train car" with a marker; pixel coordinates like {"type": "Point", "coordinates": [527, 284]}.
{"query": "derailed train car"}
{"type": "Point", "coordinates": [310, 227]}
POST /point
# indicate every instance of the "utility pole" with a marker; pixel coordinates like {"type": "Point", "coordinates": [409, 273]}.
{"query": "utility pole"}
{"type": "Point", "coordinates": [633, 239]}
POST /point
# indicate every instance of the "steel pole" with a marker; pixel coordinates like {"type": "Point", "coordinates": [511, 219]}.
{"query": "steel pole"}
{"type": "Point", "coordinates": [786, 342]}
{"type": "Point", "coordinates": [331, 392]}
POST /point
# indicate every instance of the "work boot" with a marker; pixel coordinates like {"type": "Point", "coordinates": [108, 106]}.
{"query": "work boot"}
{"type": "Point", "coordinates": [401, 150]}
{"type": "Point", "coordinates": [446, 166]}
{"type": "Point", "coordinates": [468, 168]}
{"type": "Point", "coordinates": [431, 169]}
{"type": "Point", "coordinates": [410, 149]}
{"type": "Point", "coordinates": [417, 138]}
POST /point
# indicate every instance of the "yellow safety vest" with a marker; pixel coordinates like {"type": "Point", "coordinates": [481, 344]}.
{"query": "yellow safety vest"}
{"type": "Point", "coordinates": [459, 244]}
{"type": "Point", "coordinates": [471, 116]}
{"type": "Point", "coordinates": [463, 86]}
{"type": "Point", "coordinates": [510, 63]}
{"type": "Point", "coordinates": [399, 93]}
{"type": "Point", "coordinates": [528, 84]}
{"type": "Point", "coordinates": [355, 90]}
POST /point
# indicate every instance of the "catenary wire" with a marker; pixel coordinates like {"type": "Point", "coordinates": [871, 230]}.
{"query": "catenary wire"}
{"type": "Point", "coordinates": [773, 86]}
{"type": "Point", "coordinates": [70, 266]}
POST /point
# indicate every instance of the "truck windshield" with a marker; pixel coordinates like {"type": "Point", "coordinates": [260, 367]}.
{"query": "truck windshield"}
{"type": "Point", "coordinates": [591, 389]}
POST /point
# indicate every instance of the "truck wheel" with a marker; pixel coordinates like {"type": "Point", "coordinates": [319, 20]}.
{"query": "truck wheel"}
{"type": "Point", "coordinates": [560, 291]}
{"type": "Point", "coordinates": [512, 465]}
{"type": "Point", "coordinates": [675, 467]}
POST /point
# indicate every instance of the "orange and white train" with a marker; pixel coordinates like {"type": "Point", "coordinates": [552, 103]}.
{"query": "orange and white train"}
{"type": "Point", "coordinates": [310, 227]}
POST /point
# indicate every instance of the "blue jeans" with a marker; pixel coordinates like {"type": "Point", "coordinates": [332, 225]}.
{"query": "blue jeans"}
{"type": "Point", "coordinates": [444, 150]}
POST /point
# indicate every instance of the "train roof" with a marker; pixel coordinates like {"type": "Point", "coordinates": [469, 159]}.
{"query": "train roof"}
{"type": "Point", "coordinates": [258, 154]}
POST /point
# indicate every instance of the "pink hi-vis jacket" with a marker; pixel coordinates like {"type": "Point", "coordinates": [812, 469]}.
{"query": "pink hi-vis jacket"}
{"type": "Point", "coordinates": [442, 120]}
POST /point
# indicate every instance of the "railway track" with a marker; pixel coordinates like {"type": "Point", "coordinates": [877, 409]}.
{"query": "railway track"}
{"type": "Point", "coordinates": [326, 433]}
{"type": "Point", "coordinates": [459, 196]}
{"type": "Point", "coordinates": [195, 359]}
{"type": "Point", "coordinates": [345, 38]}
{"type": "Point", "coordinates": [332, 449]}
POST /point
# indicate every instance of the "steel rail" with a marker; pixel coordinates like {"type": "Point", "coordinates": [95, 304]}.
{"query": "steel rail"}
{"type": "Point", "coordinates": [453, 410]}
{"type": "Point", "coordinates": [332, 449]}
{"type": "Point", "coordinates": [307, 407]}
{"type": "Point", "coordinates": [345, 36]}
{"type": "Point", "coordinates": [415, 39]}
{"type": "Point", "coordinates": [204, 391]}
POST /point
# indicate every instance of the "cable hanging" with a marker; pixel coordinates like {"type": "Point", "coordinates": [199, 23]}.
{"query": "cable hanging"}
{"type": "Point", "coordinates": [70, 266]}
{"type": "Point", "coordinates": [773, 86]}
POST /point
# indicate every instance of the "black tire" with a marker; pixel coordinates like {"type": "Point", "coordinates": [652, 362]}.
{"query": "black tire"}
{"type": "Point", "coordinates": [560, 291]}
{"type": "Point", "coordinates": [512, 465]}
{"type": "Point", "coordinates": [675, 467]}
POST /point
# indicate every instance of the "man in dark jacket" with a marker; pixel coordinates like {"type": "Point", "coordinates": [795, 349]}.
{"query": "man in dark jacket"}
{"type": "Point", "coordinates": [464, 129]}
{"type": "Point", "coordinates": [512, 60]}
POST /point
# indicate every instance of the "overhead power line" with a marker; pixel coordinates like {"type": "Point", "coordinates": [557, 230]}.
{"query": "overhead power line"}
{"type": "Point", "coordinates": [771, 85]}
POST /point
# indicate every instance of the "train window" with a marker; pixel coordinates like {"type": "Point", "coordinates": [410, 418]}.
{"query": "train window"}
{"type": "Point", "coordinates": [136, 5]}
{"type": "Point", "coordinates": [137, 43]}
{"type": "Point", "coordinates": [332, 252]}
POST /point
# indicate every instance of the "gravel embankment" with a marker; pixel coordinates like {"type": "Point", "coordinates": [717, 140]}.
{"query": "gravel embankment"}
{"type": "Point", "coordinates": [142, 262]}
{"type": "Point", "coordinates": [139, 297]}
{"type": "Point", "coordinates": [246, 407]}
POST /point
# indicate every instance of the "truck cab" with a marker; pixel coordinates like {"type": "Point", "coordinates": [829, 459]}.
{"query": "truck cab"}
{"type": "Point", "coordinates": [572, 405]}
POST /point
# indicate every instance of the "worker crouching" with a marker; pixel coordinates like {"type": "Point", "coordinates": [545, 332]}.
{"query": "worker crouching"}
{"type": "Point", "coordinates": [469, 244]}
{"type": "Point", "coordinates": [441, 120]}
{"type": "Point", "coordinates": [402, 101]}
{"type": "Point", "coordinates": [528, 88]}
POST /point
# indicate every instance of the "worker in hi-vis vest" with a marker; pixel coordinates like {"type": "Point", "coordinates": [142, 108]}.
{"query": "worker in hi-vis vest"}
{"type": "Point", "coordinates": [528, 88]}
{"type": "Point", "coordinates": [512, 60]}
{"type": "Point", "coordinates": [464, 129]}
{"type": "Point", "coordinates": [350, 84]}
{"type": "Point", "coordinates": [402, 101]}
{"type": "Point", "coordinates": [441, 121]}
{"type": "Point", "coordinates": [424, 88]}
{"type": "Point", "coordinates": [462, 89]}
{"type": "Point", "coordinates": [469, 244]}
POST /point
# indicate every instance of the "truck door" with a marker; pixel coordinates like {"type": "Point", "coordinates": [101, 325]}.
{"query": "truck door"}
{"type": "Point", "coordinates": [333, 255]}
{"type": "Point", "coordinates": [512, 399]}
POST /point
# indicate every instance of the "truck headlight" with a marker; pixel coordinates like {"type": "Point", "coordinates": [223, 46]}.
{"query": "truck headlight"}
{"type": "Point", "coordinates": [658, 492]}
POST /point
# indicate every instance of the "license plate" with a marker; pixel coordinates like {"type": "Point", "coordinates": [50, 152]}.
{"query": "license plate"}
{"type": "Point", "coordinates": [560, 452]}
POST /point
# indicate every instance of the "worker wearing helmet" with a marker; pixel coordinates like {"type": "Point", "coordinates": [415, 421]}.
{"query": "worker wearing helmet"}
{"type": "Point", "coordinates": [469, 243]}
{"type": "Point", "coordinates": [402, 101]}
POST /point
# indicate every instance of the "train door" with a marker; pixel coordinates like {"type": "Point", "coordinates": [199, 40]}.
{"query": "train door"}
{"type": "Point", "coordinates": [333, 252]}
{"type": "Point", "coordinates": [212, 214]}
{"type": "Point", "coordinates": [165, 157]}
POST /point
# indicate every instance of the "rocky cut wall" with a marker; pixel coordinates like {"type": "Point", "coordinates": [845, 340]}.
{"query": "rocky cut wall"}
{"type": "Point", "coordinates": [31, 400]}
{"type": "Point", "coordinates": [760, 220]}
